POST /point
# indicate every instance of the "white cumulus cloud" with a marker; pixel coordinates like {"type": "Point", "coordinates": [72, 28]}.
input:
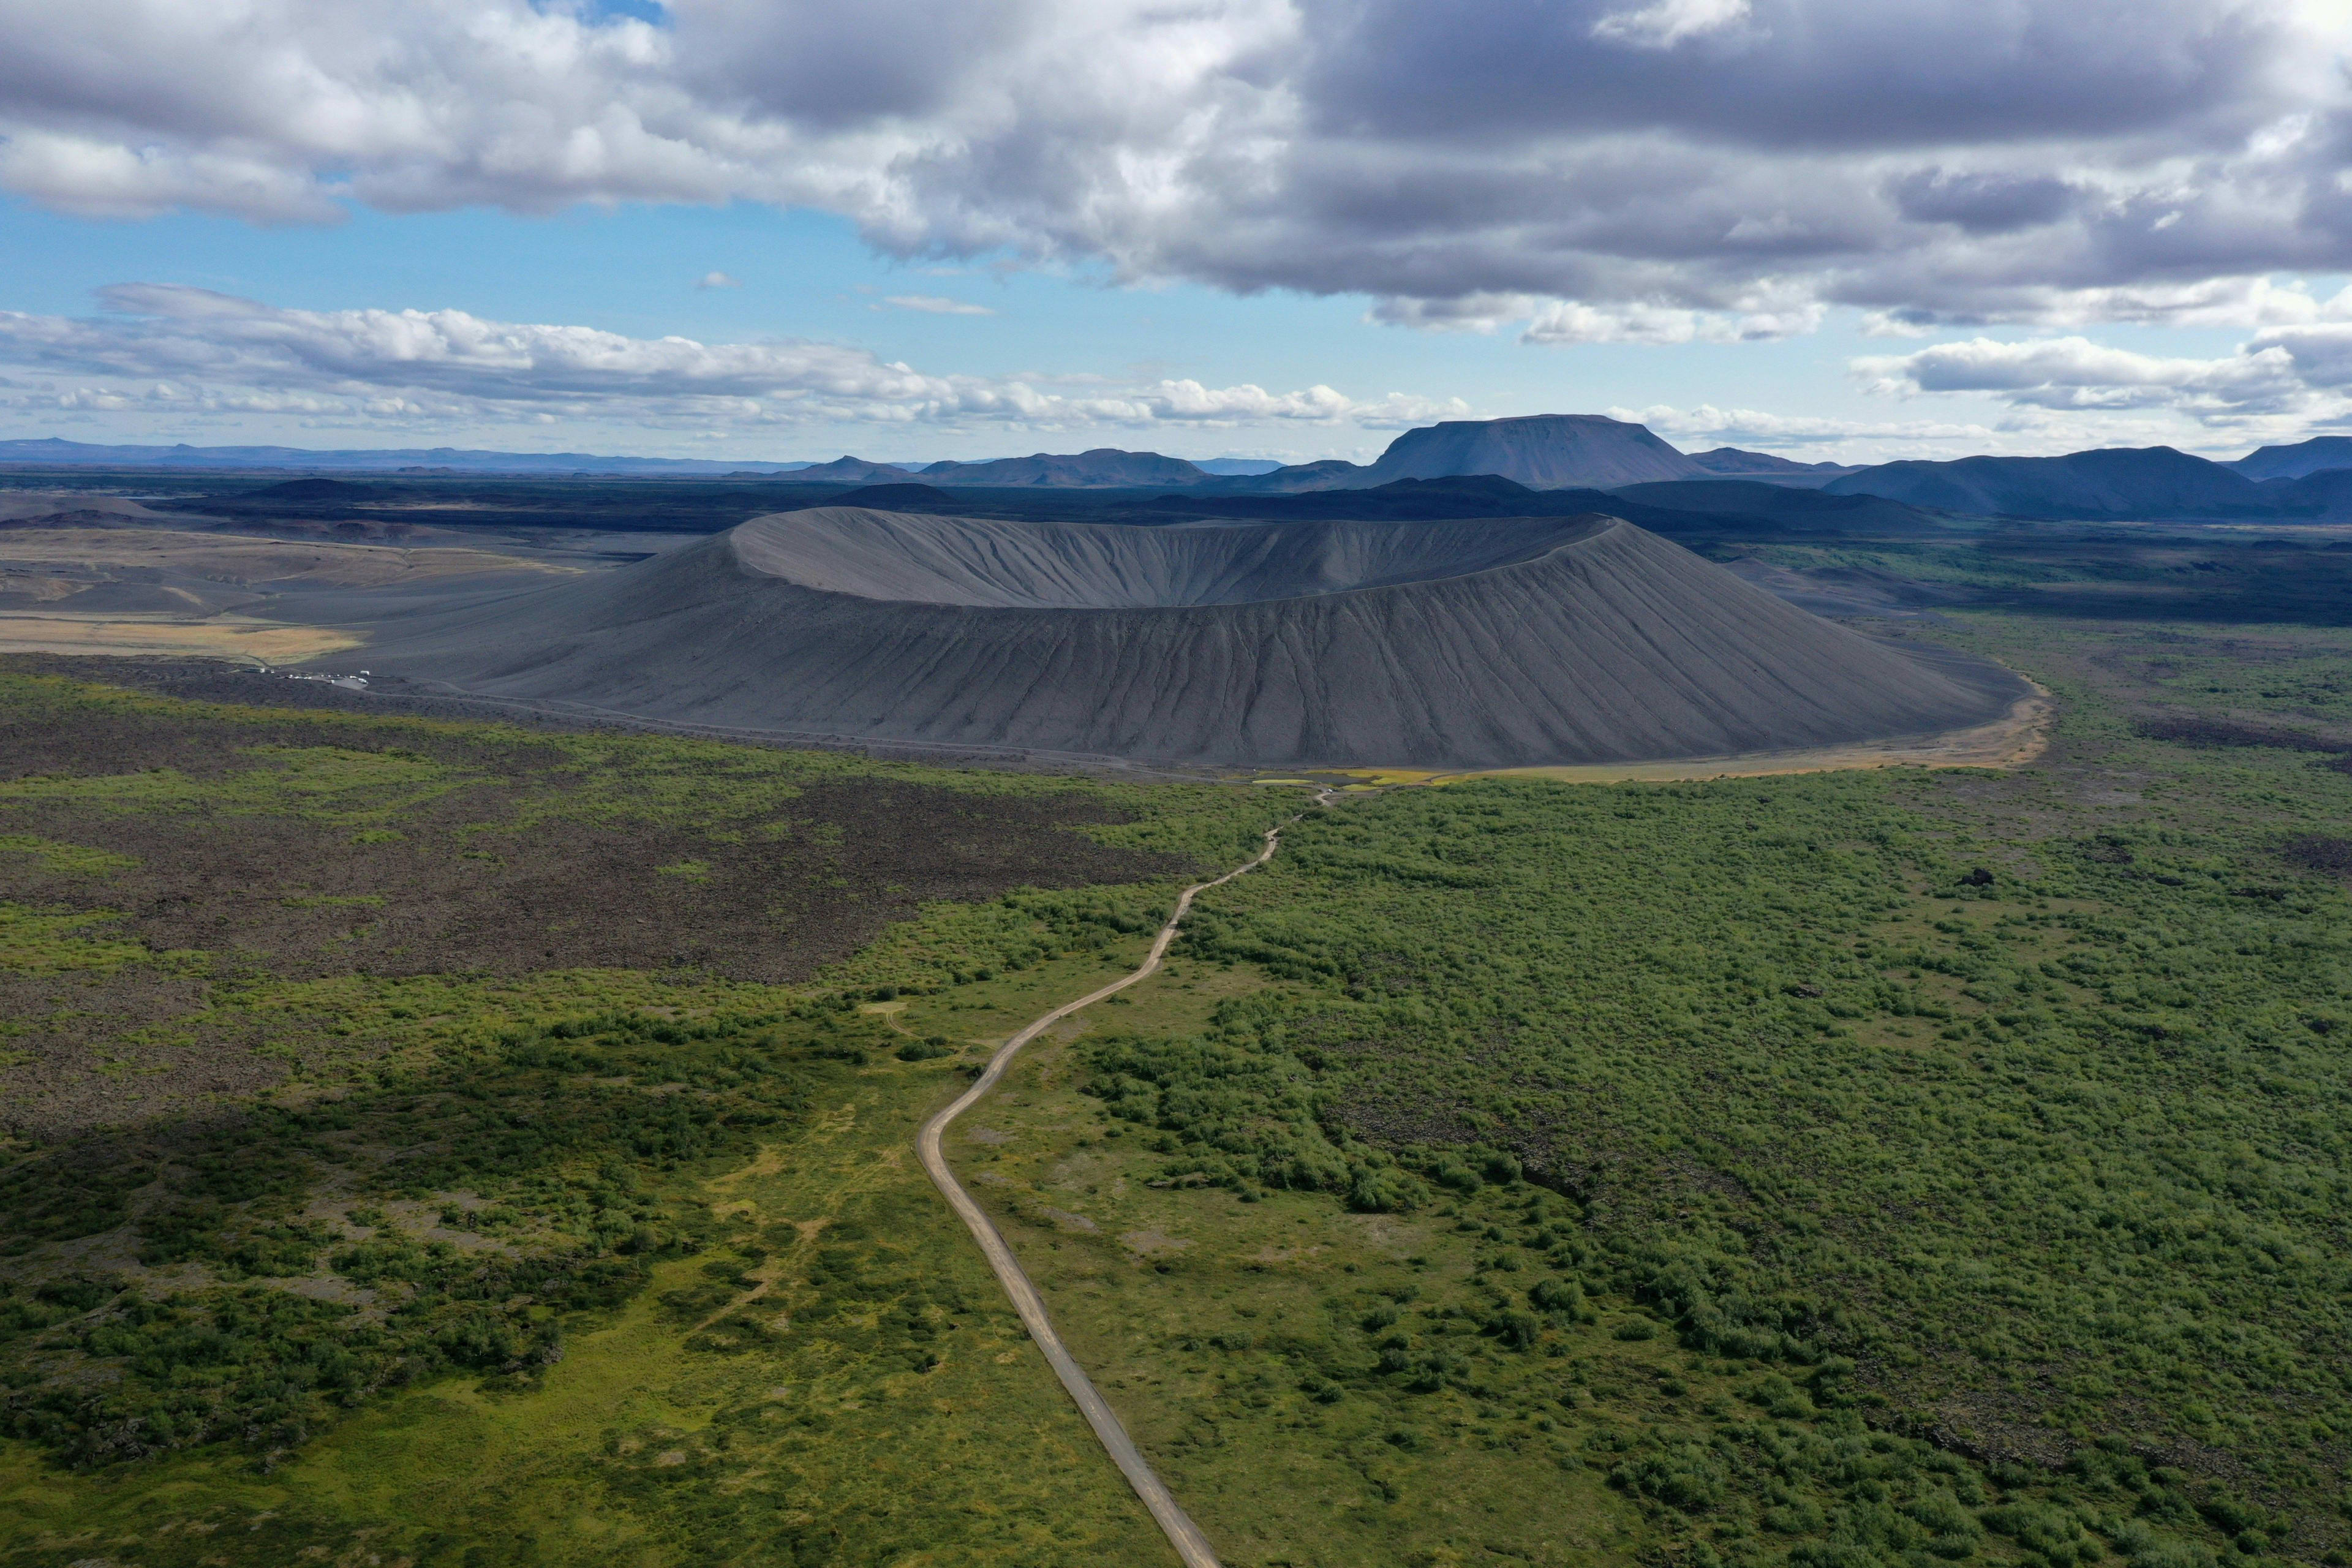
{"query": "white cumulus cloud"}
{"type": "Point", "coordinates": [192, 350]}
{"type": "Point", "coordinates": [2074, 373]}
{"type": "Point", "coordinates": [935, 305]}
{"type": "Point", "coordinates": [1666, 23]}
{"type": "Point", "coordinates": [1563, 322]}
{"type": "Point", "coordinates": [2279, 382]}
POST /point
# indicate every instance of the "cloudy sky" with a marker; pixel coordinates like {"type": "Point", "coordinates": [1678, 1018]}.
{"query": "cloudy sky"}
{"type": "Point", "coordinates": [918, 229]}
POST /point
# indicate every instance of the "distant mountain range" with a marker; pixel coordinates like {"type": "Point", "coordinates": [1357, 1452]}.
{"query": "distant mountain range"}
{"type": "Point", "coordinates": [2117, 482]}
{"type": "Point", "coordinates": [1546, 451]}
{"type": "Point", "coordinates": [2321, 452]}
{"type": "Point", "coordinates": [845, 471]}
{"type": "Point", "coordinates": [2294, 483]}
{"type": "Point", "coordinates": [1104, 467]}
{"type": "Point", "coordinates": [1542, 451]}
{"type": "Point", "coordinates": [2311, 481]}
{"type": "Point", "coordinates": [1730, 462]}
{"type": "Point", "coordinates": [2308, 482]}
{"type": "Point", "coordinates": [422, 461]}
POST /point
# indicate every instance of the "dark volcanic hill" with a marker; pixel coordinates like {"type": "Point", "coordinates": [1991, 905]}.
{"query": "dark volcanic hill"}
{"type": "Point", "coordinates": [1481, 644]}
{"type": "Point", "coordinates": [1731, 462]}
{"type": "Point", "coordinates": [908, 495]}
{"type": "Point", "coordinates": [1465, 495]}
{"type": "Point", "coordinates": [1102, 467]}
{"type": "Point", "coordinates": [2324, 495]}
{"type": "Point", "coordinates": [2312, 457]}
{"type": "Point", "coordinates": [849, 471]}
{"type": "Point", "coordinates": [2120, 482]}
{"type": "Point", "coordinates": [1543, 451]}
{"type": "Point", "coordinates": [1808, 509]}
{"type": "Point", "coordinates": [1683, 510]}
{"type": "Point", "coordinates": [1328, 473]}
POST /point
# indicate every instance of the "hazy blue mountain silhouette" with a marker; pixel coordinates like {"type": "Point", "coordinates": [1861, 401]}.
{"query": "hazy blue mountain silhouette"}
{"type": "Point", "coordinates": [1103, 467]}
{"type": "Point", "coordinates": [2116, 483]}
{"type": "Point", "coordinates": [2293, 462]}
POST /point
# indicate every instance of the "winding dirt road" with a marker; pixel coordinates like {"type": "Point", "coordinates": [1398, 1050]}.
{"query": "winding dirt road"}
{"type": "Point", "coordinates": [1185, 1536]}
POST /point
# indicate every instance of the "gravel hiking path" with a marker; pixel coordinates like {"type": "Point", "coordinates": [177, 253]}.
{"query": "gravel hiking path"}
{"type": "Point", "coordinates": [1185, 1536]}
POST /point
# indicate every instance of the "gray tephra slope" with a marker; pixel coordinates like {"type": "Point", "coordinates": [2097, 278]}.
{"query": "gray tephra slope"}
{"type": "Point", "coordinates": [1478, 643]}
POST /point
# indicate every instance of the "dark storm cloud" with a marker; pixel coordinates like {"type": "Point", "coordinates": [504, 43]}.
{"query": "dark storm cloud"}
{"type": "Point", "coordinates": [829, 65]}
{"type": "Point", "coordinates": [1842, 76]}
{"type": "Point", "coordinates": [1592, 165]}
{"type": "Point", "coordinates": [1982, 203]}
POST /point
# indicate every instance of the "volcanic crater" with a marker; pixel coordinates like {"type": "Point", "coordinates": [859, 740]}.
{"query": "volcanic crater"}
{"type": "Point", "coordinates": [1487, 643]}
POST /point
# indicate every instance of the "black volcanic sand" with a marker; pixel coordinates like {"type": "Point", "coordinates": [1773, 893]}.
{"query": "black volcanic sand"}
{"type": "Point", "coordinates": [1476, 644]}
{"type": "Point", "coordinates": [466, 885]}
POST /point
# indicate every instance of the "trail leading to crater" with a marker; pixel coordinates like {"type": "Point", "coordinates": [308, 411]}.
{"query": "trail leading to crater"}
{"type": "Point", "coordinates": [1185, 1536]}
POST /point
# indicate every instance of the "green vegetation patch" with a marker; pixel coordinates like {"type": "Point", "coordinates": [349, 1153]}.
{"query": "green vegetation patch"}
{"type": "Point", "coordinates": [1974, 1144]}
{"type": "Point", "coordinates": [68, 860]}
{"type": "Point", "coordinates": [756, 1335]}
{"type": "Point", "coordinates": [533, 1178]}
{"type": "Point", "coordinates": [319, 842]}
{"type": "Point", "coordinates": [365, 1116]}
{"type": "Point", "coordinates": [1845, 1171]}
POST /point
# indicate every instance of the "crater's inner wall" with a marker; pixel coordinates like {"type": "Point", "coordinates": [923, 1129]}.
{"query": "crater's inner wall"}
{"type": "Point", "coordinates": [987, 563]}
{"type": "Point", "coordinates": [1494, 643]}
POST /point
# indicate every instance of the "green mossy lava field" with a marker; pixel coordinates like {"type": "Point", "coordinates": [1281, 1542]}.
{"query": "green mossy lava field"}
{"type": "Point", "coordinates": [448, 1142]}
